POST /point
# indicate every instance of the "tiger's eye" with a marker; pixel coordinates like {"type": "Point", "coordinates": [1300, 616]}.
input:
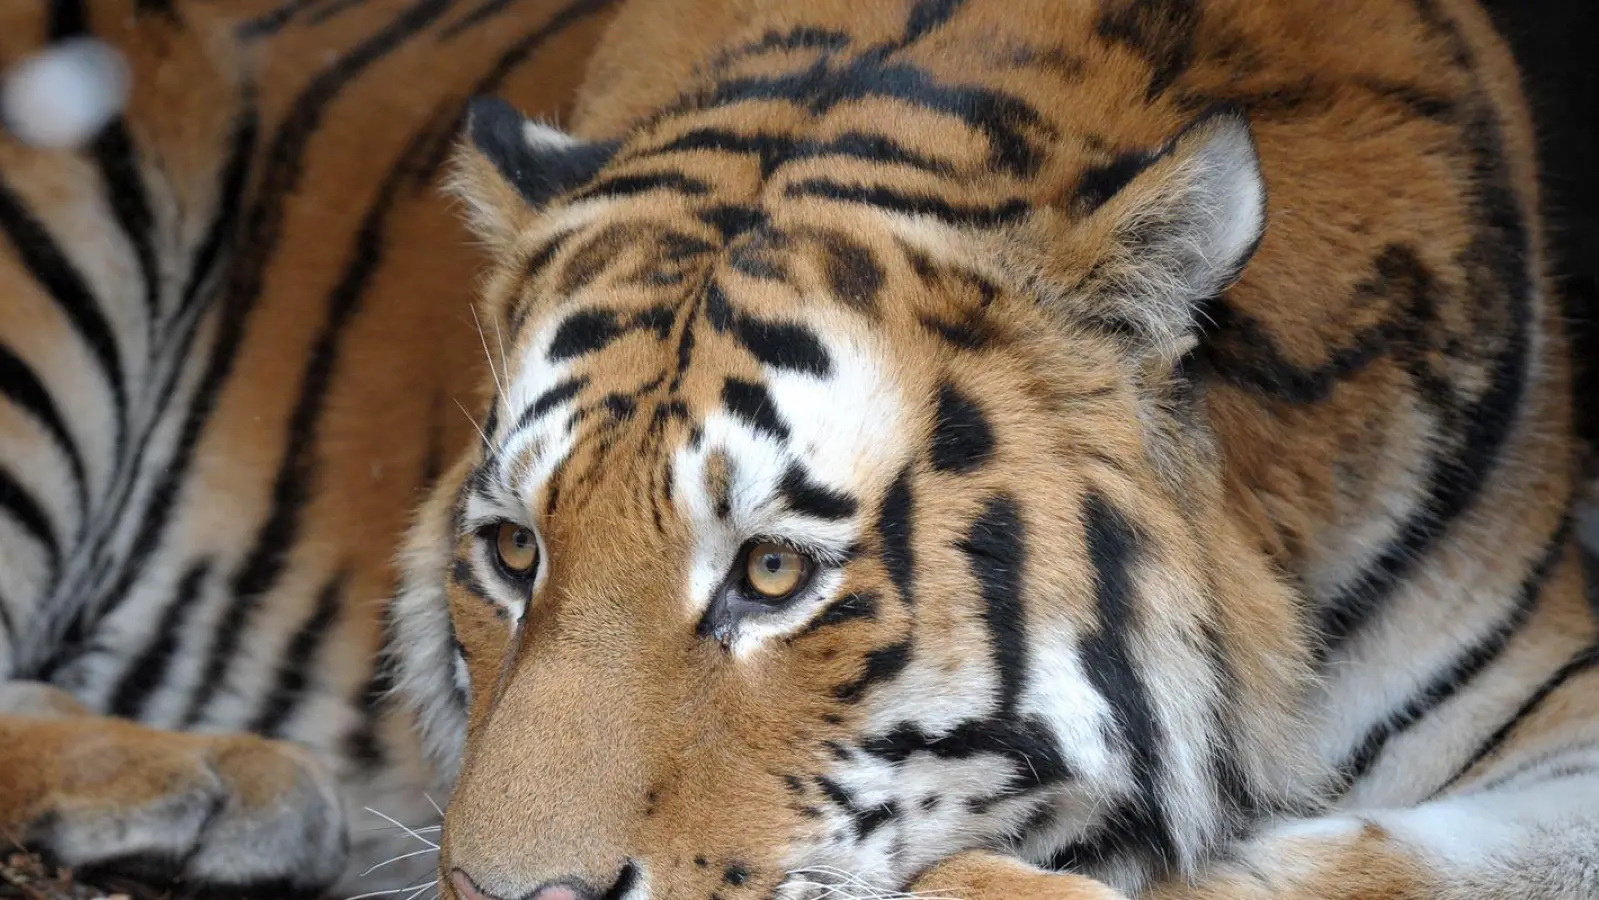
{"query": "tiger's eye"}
{"type": "Point", "coordinates": [518, 548]}
{"type": "Point", "coordinates": [775, 571]}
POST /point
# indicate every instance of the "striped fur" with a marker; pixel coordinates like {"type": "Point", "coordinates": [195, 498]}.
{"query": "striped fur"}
{"type": "Point", "coordinates": [1165, 393]}
{"type": "Point", "coordinates": [235, 334]}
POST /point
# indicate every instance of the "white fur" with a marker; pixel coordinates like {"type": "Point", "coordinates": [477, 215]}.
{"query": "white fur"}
{"type": "Point", "coordinates": [844, 430]}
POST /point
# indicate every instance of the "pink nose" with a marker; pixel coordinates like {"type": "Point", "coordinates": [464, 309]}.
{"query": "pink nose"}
{"type": "Point", "coordinates": [469, 891]}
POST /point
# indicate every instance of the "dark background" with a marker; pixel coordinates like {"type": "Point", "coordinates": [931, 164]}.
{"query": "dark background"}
{"type": "Point", "coordinates": [1556, 43]}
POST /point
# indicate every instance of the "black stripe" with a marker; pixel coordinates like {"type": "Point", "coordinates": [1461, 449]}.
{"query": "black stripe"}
{"type": "Point", "coordinates": [583, 332]}
{"type": "Point", "coordinates": [118, 162]}
{"type": "Point", "coordinates": [149, 668]}
{"type": "Point", "coordinates": [802, 37]}
{"type": "Point", "coordinates": [781, 345]}
{"type": "Point", "coordinates": [616, 186]}
{"type": "Point", "coordinates": [808, 498]}
{"type": "Point", "coordinates": [49, 266]}
{"type": "Point", "coordinates": [1583, 661]}
{"type": "Point", "coordinates": [8, 625]}
{"type": "Point", "coordinates": [231, 184]}
{"type": "Point", "coordinates": [262, 229]}
{"type": "Point", "coordinates": [1497, 276]}
{"type": "Point", "coordinates": [854, 605]}
{"type": "Point", "coordinates": [1027, 742]}
{"type": "Point", "coordinates": [484, 11]}
{"type": "Point", "coordinates": [23, 508]}
{"type": "Point", "coordinates": [21, 386]}
{"type": "Point", "coordinates": [911, 204]}
{"type": "Point", "coordinates": [875, 148]}
{"type": "Point", "coordinates": [926, 16]}
{"type": "Point", "coordinates": [624, 882]}
{"type": "Point", "coordinates": [266, 559]}
{"type": "Point", "coordinates": [1107, 655]}
{"type": "Point", "coordinates": [896, 525]}
{"type": "Point", "coordinates": [774, 150]}
{"type": "Point", "coordinates": [882, 664]}
{"type": "Point", "coordinates": [751, 404]}
{"type": "Point", "coordinates": [819, 88]}
{"type": "Point", "coordinates": [363, 744]}
{"type": "Point", "coordinates": [555, 396]}
{"type": "Point", "coordinates": [299, 658]}
{"type": "Point", "coordinates": [731, 220]}
{"type": "Point", "coordinates": [1162, 32]}
{"type": "Point", "coordinates": [996, 551]}
{"type": "Point", "coordinates": [962, 438]}
{"type": "Point", "coordinates": [159, 505]}
{"type": "Point", "coordinates": [68, 18]}
{"type": "Point", "coordinates": [274, 20]}
{"type": "Point", "coordinates": [1467, 666]}
{"type": "Point", "coordinates": [333, 8]}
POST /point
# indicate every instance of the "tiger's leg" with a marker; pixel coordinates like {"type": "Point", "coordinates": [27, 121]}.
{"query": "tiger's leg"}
{"type": "Point", "coordinates": [216, 810]}
{"type": "Point", "coordinates": [1522, 824]}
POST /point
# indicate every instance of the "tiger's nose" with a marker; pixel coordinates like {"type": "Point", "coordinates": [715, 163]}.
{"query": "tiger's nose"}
{"type": "Point", "coordinates": [467, 889]}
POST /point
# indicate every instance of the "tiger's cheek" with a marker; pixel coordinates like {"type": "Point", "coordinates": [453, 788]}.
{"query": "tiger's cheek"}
{"type": "Point", "coordinates": [483, 633]}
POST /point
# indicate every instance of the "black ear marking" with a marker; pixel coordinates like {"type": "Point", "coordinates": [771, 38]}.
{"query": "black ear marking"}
{"type": "Point", "coordinates": [541, 164]}
{"type": "Point", "coordinates": [1099, 183]}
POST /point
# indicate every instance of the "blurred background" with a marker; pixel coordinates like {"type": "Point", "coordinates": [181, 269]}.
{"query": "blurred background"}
{"type": "Point", "coordinates": [1556, 43]}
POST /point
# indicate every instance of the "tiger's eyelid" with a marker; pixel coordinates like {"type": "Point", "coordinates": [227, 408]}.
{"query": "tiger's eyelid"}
{"type": "Point", "coordinates": [821, 556]}
{"type": "Point", "coordinates": [472, 525]}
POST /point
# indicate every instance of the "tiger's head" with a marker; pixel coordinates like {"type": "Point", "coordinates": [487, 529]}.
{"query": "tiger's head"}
{"type": "Point", "coordinates": [840, 505]}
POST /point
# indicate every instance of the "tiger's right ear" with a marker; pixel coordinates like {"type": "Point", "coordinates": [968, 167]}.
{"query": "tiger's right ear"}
{"type": "Point", "coordinates": [509, 167]}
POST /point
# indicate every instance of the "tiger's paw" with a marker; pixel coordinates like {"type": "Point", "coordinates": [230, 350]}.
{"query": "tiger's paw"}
{"type": "Point", "coordinates": [980, 875]}
{"type": "Point", "coordinates": [225, 813]}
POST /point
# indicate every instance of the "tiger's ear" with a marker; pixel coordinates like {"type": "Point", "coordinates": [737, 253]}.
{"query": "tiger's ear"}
{"type": "Point", "coordinates": [509, 167]}
{"type": "Point", "coordinates": [1169, 230]}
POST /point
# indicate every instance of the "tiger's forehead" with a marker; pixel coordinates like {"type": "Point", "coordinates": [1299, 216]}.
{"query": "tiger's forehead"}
{"type": "Point", "coordinates": [732, 373]}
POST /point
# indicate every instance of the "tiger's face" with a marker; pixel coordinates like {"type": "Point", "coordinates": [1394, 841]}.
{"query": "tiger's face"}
{"type": "Point", "coordinates": [802, 543]}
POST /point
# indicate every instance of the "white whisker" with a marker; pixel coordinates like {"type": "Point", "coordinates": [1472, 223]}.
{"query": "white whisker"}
{"type": "Point", "coordinates": [488, 357]}
{"type": "Point", "coordinates": [378, 829]}
{"type": "Point", "coordinates": [475, 426]}
{"type": "Point", "coordinates": [392, 891]}
{"type": "Point", "coordinates": [396, 859]}
{"type": "Point", "coordinates": [404, 827]}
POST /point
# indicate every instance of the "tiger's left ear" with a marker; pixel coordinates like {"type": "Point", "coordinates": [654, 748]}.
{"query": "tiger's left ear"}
{"type": "Point", "coordinates": [509, 167]}
{"type": "Point", "coordinates": [1160, 233]}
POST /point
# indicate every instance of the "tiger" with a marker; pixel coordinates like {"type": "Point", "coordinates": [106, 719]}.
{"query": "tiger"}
{"type": "Point", "coordinates": [1013, 450]}
{"type": "Point", "coordinates": [926, 447]}
{"type": "Point", "coordinates": [235, 328]}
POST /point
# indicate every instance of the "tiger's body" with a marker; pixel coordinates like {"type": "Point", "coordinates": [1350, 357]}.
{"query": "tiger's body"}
{"type": "Point", "coordinates": [939, 440]}
{"type": "Point", "coordinates": [234, 332]}
{"type": "Point", "coordinates": [1116, 562]}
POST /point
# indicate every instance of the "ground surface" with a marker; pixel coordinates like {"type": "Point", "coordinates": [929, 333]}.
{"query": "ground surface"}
{"type": "Point", "coordinates": [24, 877]}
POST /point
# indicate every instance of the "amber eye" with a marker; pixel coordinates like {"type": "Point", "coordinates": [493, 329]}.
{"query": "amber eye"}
{"type": "Point", "coordinates": [774, 571]}
{"type": "Point", "coordinates": [518, 549]}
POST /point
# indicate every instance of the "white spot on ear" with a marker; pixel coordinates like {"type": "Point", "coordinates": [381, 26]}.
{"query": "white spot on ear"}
{"type": "Point", "coordinates": [62, 96]}
{"type": "Point", "coordinates": [545, 137]}
{"type": "Point", "coordinates": [1226, 206]}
